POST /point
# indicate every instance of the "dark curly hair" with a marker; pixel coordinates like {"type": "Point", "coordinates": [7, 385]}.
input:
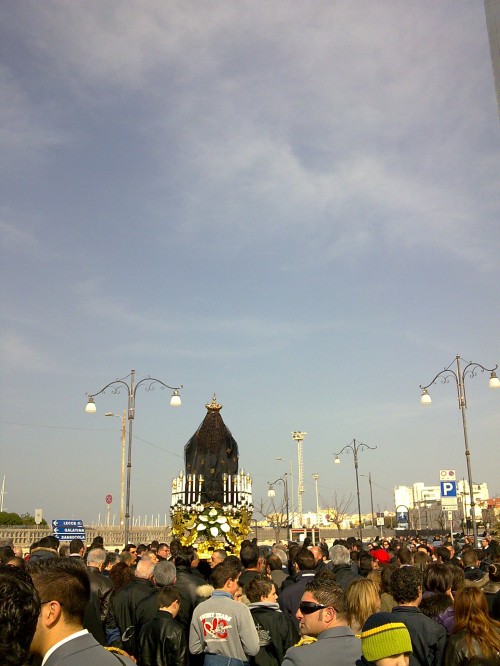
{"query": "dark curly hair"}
{"type": "Point", "coordinates": [19, 611]}
{"type": "Point", "coordinates": [405, 583]}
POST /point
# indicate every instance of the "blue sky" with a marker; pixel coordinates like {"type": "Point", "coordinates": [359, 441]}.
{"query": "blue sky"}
{"type": "Point", "coordinates": [292, 205]}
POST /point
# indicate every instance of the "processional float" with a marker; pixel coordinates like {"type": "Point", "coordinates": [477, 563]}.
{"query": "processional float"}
{"type": "Point", "coordinates": [211, 504]}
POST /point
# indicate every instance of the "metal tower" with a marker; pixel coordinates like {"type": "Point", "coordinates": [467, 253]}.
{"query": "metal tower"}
{"type": "Point", "coordinates": [299, 438]}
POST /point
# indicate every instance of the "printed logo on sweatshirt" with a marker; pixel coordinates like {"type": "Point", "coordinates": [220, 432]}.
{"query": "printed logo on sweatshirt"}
{"type": "Point", "coordinates": [215, 625]}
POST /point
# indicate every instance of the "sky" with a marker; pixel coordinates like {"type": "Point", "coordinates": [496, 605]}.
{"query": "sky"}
{"type": "Point", "coordinates": [294, 206]}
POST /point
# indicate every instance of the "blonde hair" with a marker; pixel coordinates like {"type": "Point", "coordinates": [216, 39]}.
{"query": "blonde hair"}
{"type": "Point", "coordinates": [362, 600]}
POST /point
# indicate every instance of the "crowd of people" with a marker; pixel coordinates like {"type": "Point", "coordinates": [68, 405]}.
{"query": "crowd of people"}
{"type": "Point", "coordinates": [396, 602]}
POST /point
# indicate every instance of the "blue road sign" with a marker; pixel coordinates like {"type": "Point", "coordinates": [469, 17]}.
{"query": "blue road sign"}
{"type": "Point", "coordinates": [67, 530]}
{"type": "Point", "coordinates": [448, 488]}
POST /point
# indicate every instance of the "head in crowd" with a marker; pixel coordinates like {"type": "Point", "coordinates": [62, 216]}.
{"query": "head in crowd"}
{"type": "Point", "coordinates": [458, 577]}
{"type": "Point", "coordinates": [217, 557]}
{"type": "Point", "coordinates": [164, 573]}
{"type": "Point", "coordinates": [250, 557]}
{"type": "Point", "coordinates": [96, 558]}
{"type": "Point", "coordinates": [111, 560]}
{"type": "Point", "coordinates": [175, 544]}
{"type": "Point", "coordinates": [76, 547]}
{"type": "Point", "coordinates": [322, 607]}
{"type": "Point", "coordinates": [144, 569]}
{"type": "Point", "coordinates": [438, 578]}
{"type": "Point", "coordinates": [339, 555]}
{"type": "Point", "coordinates": [273, 562]}
{"type": "Point", "coordinates": [19, 610]}
{"type": "Point", "coordinates": [443, 554]}
{"type": "Point", "coordinates": [281, 553]}
{"type": "Point", "coordinates": [421, 559]}
{"type": "Point", "coordinates": [149, 555]}
{"type": "Point", "coordinates": [362, 600]}
{"type": "Point", "coordinates": [470, 558]}
{"type": "Point", "coordinates": [49, 541]}
{"type": "Point", "coordinates": [184, 557]}
{"type": "Point", "coordinates": [434, 605]}
{"type": "Point", "coordinates": [169, 598]}
{"type": "Point", "coordinates": [6, 554]}
{"type": "Point", "coordinates": [163, 550]}
{"type": "Point", "coordinates": [304, 560]}
{"type": "Point", "coordinates": [64, 550]}
{"type": "Point", "coordinates": [405, 556]}
{"type": "Point", "coordinates": [406, 585]}
{"type": "Point", "coordinates": [385, 578]}
{"type": "Point", "coordinates": [376, 577]}
{"type": "Point", "coordinates": [365, 563]}
{"type": "Point", "coordinates": [326, 573]}
{"type": "Point", "coordinates": [261, 589]}
{"type": "Point", "coordinates": [223, 573]}
{"type": "Point", "coordinates": [472, 618]}
{"type": "Point", "coordinates": [385, 641]}
{"type": "Point", "coordinates": [97, 542]}
{"type": "Point", "coordinates": [64, 589]}
{"type": "Point", "coordinates": [121, 574]}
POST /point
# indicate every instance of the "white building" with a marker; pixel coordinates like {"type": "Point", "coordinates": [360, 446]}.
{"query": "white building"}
{"type": "Point", "coordinates": [419, 495]}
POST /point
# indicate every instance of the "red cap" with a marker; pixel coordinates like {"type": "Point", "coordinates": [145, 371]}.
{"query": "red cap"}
{"type": "Point", "coordinates": [380, 555]}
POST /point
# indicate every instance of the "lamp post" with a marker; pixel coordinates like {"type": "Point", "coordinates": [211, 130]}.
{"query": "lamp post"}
{"type": "Point", "coordinates": [131, 388]}
{"type": "Point", "coordinates": [315, 476]}
{"type": "Point", "coordinates": [369, 477]}
{"type": "Point", "coordinates": [355, 447]}
{"type": "Point", "coordinates": [298, 437]}
{"type": "Point", "coordinates": [459, 376]}
{"type": "Point", "coordinates": [123, 417]}
{"type": "Point", "coordinates": [292, 495]}
{"type": "Point", "coordinates": [271, 493]}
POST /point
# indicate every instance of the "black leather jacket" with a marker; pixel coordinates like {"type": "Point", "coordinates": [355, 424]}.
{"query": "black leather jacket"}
{"type": "Point", "coordinates": [97, 608]}
{"type": "Point", "coordinates": [122, 615]}
{"type": "Point", "coordinates": [162, 642]}
{"type": "Point", "coordinates": [458, 653]}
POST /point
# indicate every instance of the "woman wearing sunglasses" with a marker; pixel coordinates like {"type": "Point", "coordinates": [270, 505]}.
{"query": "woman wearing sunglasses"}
{"type": "Point", "coordinates": [322, 615]}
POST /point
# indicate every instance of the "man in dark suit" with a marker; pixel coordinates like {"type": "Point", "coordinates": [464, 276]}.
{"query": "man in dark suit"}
{"type": "Point", "coordinates": [64, 589]}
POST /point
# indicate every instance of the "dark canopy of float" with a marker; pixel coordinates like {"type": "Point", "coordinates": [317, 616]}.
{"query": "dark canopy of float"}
{"type": "Point", "coordinates": [212, 451]}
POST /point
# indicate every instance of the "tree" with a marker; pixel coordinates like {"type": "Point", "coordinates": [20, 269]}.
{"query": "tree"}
{"type": "Point", "coordinates": [275, 514]}
{"type": "Point", "coordinates": [11, 518]}
{"type": "Point", "coordinates": [338, 509]}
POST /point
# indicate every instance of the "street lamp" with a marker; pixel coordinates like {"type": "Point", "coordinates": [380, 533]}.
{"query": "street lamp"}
{"type": "Point", "coordinates": [355, 447]}
{"type": "Point", "coordinates": [271, 493]}
{"type": "Point", "coordinates": [123, 417]}
{"type": "Point", "coordinates": [316, 477]}
{"type": "Point", "coordinates": [90, 408]}
{"type": "Point", "coordinates": [292, 495]}
{"type": "Point", "coordinates": [459, 376]}
{"type": "Point", "coordinates": [369, 477]}
{"type": "Point", "coordinates": [298, 437]}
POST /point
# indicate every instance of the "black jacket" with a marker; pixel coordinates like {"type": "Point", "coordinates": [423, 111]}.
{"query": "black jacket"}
{"type": "Point", "coordinates": [457, 651]}
{"type": "Point", "coordinates": [428, 637]}
{"type": "Point", "coordinates": [276, 634]}
{"type": "Point", "coordinates": [344, 575]}
{"type": "Point", "coordinates": [187, 584]}
{"type": "Point", "coordinates": [122, 615]}
{"type": "Point", "coordinates": [96, 611]}
{"type": "Point", "coordinates": [290, 596]}
{"type": "Point", "coordinates": [162, 642]}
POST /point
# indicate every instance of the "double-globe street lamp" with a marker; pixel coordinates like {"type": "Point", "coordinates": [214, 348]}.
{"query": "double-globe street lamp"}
{"type": "Point", "coordinates": [272, 493]}
{"type": "Point", "coordinates": [460, 376]}
{"type": "Point", "coordinates": [175, 401]}
{"type": "Point", "coordinates": [355, 447]}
